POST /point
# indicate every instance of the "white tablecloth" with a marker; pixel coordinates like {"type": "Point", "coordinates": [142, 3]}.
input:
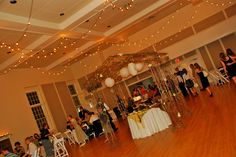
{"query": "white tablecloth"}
{"type": "Point", "coordinates": [153, 121]}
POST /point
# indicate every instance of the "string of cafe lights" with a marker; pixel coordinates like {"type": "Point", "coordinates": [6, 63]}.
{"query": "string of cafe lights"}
{"type": "Point", "coordinates": [161, 28]}
{"type": "Point", "coordinates": [88, 31]}
{"type": "Point", "coordinates": [15, 47]}
{"type": "Point", "coordinates": [127, 6]}
{"type": "Point", "coordinates": [55, 49]}
{"type": "Point", "coordinates": [218, 4]}
{"type": "Point", "coordinates": [99, 17]}
{"type": "Point", "coordinates": [65, 43]}
{"type": "Point", "coordinates": [140, 42]}
{"type": "Point", "coordinates": [158, 32]}
{"type": "Point", "coordinates": [84, 35]}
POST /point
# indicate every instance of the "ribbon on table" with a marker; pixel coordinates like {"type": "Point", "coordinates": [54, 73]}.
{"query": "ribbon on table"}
{"type": "Point", "coordinates": [137, 117]}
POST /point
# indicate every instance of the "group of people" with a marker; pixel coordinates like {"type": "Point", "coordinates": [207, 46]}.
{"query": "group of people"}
{"type": "Point", "coordinates": [37, 145]}
{"type": "Point", "coordinates": [90, 123]}
{"type": "Point", "coordinates": [81, 127]}
{"type": "Point", "coordinates": [148, 93]}
{"type": "Point", "coordinates": [198, 75]}
{"type": "Point", "coordinates": [228, 61]}
{"type": "Point", "coordinates": [187, 81]}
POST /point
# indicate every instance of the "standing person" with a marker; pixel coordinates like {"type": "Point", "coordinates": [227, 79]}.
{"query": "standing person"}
{"type": "Point", "coordinates": [121, 106]}
{"type": "Point", "coordinates": [231, 54]}
{"type": "Point", "coordinates": [189, 82]}
{"type": "Point", "coordinates": [131, 105]}
{"type": "Point", "coordinates": [171, 85]}
{"type": "Point", "coordinates": [80, 136]}
{"type": "Point", "coordinates": [229, 66]}
{"type": "Point", "coordinates": [203, 79]}
{"type": "Point", "coordinates": [45, 134]}
{"type": "Point", "coordinates": [105, 124]}
{"type": "Point", "coordinates": [105, 108]}
{"type": "Point", "coordinates": [179, 75]}
{"type": "Point", "coordinates": [32, 149]}
{"type": "Point", "coordinates": [195, 76]}
{"type": "Point", "coordinates": [19, 149]}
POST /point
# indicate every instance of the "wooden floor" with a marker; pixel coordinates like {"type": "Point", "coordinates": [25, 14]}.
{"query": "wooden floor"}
{"type": "Point", "coordinates": [210, 132]}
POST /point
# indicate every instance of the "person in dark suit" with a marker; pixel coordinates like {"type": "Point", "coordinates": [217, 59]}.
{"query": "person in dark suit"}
{"type": "Point", "coordinates": [179, 75]}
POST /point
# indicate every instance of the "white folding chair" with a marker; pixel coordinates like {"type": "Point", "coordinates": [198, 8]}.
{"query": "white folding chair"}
{"type": "Point", "coordinates": [70, 137]}
{"type": "Point", "coordinates": [59, 148]}
{"type": "Point", "coordinates": [57, 135]}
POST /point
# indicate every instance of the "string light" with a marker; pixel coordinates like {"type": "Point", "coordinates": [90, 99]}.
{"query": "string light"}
{"type": "Point", "coordinates": [152, 37]}
{"type": "Point", "coordinates": [127, 6]}
{"type": "Point", "coordinates": [65, 41]}
{"type": "Point", "coordinates": [218, 4]}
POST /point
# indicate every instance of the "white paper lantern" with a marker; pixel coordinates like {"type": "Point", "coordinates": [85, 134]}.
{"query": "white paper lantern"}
{"type": "Point", "coordinates": [139, 66]}
{"type": "Point", "coordinates": [109, 82]}
{"type": "Point", "coordinates": [132, 69]}
{"type": "Point", "coordinates": [124, 72]}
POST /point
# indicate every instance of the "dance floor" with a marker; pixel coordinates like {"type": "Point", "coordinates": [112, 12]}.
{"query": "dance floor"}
{"type": "Point", "coordinates": [209, 132]}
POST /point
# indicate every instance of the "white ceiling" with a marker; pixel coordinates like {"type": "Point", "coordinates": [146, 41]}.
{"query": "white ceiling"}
{"type": "Point", "coordinates": [45, 10]}
{"type": "Point", "coordinates": [69, 33]}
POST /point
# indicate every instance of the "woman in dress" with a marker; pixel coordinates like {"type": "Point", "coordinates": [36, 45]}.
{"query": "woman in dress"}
{"type": "Point", "coordinates": [105, 124]}
{"type": "Point", "coordinates": [179, 76]}
{"type": "Point", "coordinates": [229, 66]}
{"type": "Point", "coordinates": [189, 82]}
{"type": "Point", "coordinates": [80, 135]}
{"type": "Point", "coordinates": [203, 79]}
{"type": "Point", "coordinates": [45, 134]}
{"type": "Point", "coordinates": [195, 76]}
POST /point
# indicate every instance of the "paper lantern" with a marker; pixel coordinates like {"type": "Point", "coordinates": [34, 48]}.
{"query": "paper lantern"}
{"type": "Point", "coordinates": [124, 72]}
{"type": "Point", "coordinates": [132, 69]}
{"type": "Point", "coordinates": [109, 82]}
{"type": "Point", "coordinates": [139, 66]}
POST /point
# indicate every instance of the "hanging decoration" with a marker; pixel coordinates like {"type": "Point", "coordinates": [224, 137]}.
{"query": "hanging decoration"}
{"type": "Point", "coordinates": [139, 66]}
{"type": "Point", "coordinates": [132, 69]}
{"type": "Point", "coordinates": [109, 82]}
{"type": "Point", "coordinates": [124, 72]}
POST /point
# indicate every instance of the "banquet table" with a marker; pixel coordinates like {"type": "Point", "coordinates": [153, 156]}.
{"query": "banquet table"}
{"type": "Point", "coordinates": [148, 122]}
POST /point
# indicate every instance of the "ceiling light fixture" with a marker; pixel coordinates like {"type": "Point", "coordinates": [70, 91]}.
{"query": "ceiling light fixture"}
{"type": "Point", "coordinates": [13, 1]}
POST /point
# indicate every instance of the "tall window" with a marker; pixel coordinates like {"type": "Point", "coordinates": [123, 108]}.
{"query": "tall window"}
{"type": "Point", "coordinates": [74, 96]}
{"type": "Point", "coordinates": [36, 108]}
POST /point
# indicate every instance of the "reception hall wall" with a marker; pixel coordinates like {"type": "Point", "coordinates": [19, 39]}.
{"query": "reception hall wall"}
{"type": "Point", "coordinates": [16, 116]}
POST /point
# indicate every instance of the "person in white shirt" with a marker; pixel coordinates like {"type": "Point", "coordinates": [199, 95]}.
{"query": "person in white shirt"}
{"type": "Point", "coordinates": [32, 150]}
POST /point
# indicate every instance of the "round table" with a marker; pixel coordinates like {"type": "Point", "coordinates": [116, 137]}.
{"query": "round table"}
{"type": "Point", "coordinates": [146, 123]}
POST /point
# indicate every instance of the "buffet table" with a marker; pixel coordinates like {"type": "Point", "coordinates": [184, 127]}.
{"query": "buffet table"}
{"type": "Point", "coordinates": [148, 122]}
